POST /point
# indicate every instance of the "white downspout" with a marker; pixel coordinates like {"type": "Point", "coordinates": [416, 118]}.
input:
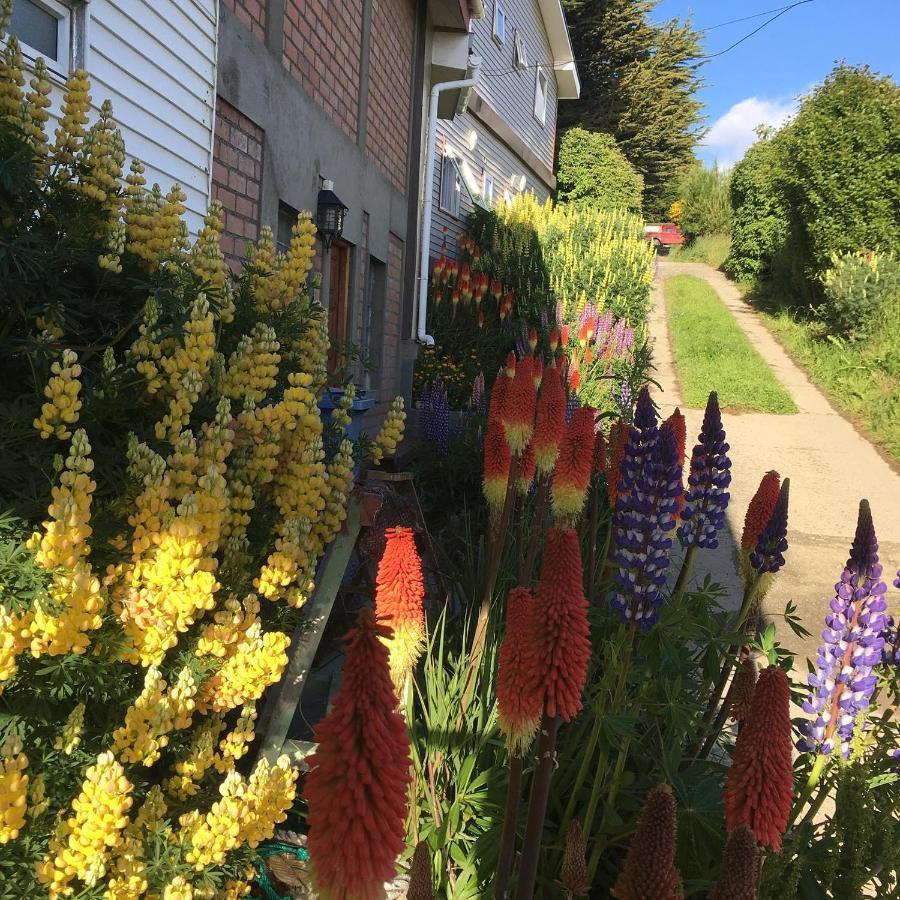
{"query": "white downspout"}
{"type": "Point", "coordinates": [430, 137]}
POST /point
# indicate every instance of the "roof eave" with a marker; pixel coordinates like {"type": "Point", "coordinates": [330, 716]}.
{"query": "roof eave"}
{"type": "Point", "coordinates": [567, 83]}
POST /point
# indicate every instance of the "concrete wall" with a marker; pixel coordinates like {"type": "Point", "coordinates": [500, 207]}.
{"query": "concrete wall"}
{"type": "Point", "coordinates": [307, 135]}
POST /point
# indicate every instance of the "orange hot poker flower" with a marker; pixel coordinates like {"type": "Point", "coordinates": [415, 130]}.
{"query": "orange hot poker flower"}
{"type": "Point", "coordinates": [357, 785]}
{"type": "Point", "coordinates": [649, 872]}
{"type": "Point", "coordinates": [532, 339]}
{"type": "Point", "coordinates": [519, 695]}
{"type": "Point", "coordinates": [759, 788]}
{"type": "Point", "coordinates": [518, 410]}
{"type": "Point", "coordinates": [399, 592]}
{"type": "Point", "coordinates": [760, 509]}
{"type": "Point", "coordinates": [562, 637]}
{"type": "Point", "coordinates": [550, 421]}
{"type": "Point", "coordinates": [572, 473]}
{"type": "Point", "coordinates": [497, 460]}
{"type": "Point", "coordinates": [525, 469]}
{"type": "Point", "coordinates": [538, 372]}
{"type": "Point", "coordinates": [618, 438]}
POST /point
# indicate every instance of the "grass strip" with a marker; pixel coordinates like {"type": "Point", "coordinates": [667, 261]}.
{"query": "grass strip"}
{"type": "Point", "coordinates": [713, 354]}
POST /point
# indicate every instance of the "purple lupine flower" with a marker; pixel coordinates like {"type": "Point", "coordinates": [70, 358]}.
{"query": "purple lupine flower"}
{"type": "Point", "coordinates": [478, 402]}
{"type": "Point", "coordinates": [624, 397]}
{"type": "Point", "coordinates": [440, 418]}
{"type": "Point", "coordinates": [571, 405]}
{"type": "Point", "coordinates": [522, 346]}
{"type": "Point", "coordinates": [890, 652]}
{"type": "Point", "coordinates": [707, 496]}
{"type": "Point", "coordinates": [644, 518]}
{"type": "Point", "coordinates": [617, 340]}
{"type": "Point", "coordinates": [545, 319]}
{"type": "Point", "coordinates": [842, 685]}
{"type": "Point", "coordinates": [768, 556]}
{"type": "Point", "coordinates": [557, 323]}
{"type": "Point", "coordinates": [425, 405]}
{"type": "Point", "coordinates": [627, 338]}
{"type": "Point", "coordinates": [604, 324]}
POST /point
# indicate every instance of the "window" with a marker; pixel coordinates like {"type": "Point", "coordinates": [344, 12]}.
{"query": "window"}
{"type": "Point", "coordinates": [520, 55]}
{"type": "Point", "coordinates": [43, 28]}
{"type": "Point", "coordinates": [541, 87]}
{"type": "Point", "coordinates": [487, 188]}
{"type": "Point", "coordinates": [451, 186]}
{"type": "Point", "coordinates": [287, 218]}
{"type": "Point", "coordinates": [500, 22]}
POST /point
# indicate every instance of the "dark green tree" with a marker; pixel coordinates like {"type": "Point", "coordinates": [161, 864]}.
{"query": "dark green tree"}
{"type": "Point", "coordinates": [592, 169]}
{"type": "Point", "coordinates": [639, 81]}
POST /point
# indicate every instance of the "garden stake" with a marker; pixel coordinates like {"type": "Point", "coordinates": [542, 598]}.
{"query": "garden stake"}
{"type": "Point", "coordinates": [508, 838]}
{"type": "Point", "coordinates": [537, 808]}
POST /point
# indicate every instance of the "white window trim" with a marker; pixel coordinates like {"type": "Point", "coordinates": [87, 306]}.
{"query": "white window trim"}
{"type": "Point", "coordinates": [67, 22]}
{"type": "Point", "coordinates": [449, 158]}
{"type": "Point", "coordinates": [487, 200]}
{"type": "Point", "coordinates": [540, 113]}
{"type": "Point", "coordinates": [498, 9]}
{"type": "Point", "coordinates": [520, 53]}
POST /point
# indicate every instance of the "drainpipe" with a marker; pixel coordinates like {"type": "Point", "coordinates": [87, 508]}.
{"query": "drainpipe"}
{"type": "Point", "coordinates": [466, 85]}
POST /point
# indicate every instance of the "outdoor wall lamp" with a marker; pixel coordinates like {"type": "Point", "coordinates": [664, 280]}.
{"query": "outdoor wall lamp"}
{"type": "Point", "coordinates": [329, 214]}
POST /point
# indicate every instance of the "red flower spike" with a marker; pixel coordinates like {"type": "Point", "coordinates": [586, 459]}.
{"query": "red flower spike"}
{"type": "Point", "coordinates": [554, 340]}
{"type": "Point", "coordinates": [399, 593]}
{"type": "Point", "coordinates": [760, 509]}
{"type": "Point", "coordinates": [572, 473]}
{"type": "Point", "coordinates": [618, 438]}
{"type": "Point", "coordinates": [497, 460]}
{"type": "Point", "coordinates": [574, 378]}
{"type": "Point", "coordinates": [550, 421]}
{"type": "Point", "coordinates": [510, 365]}
{"type": "Point", "coordinates": [675, 423]}
{"type": "Point", "coordinates": [565, 336]}
{"type": "Point", "coordinates": [455, 296]}
{"type": "Point", "coordinates": [496, 288]}
{"type": "Point", "coordinates": [745, 685]}
{"type": "Point", "coordinates": [519, 408]}
{"type": "Point", "coordinates": [563, 635]}
{"type": "Point", "coordinates": [481, 318]}
{"type": "Point", "coordinates": [649, 872]}
{"type": "Point", "coordinates": [525, 469]}
{"type": "Point", "coordinates": [499, 392]}
{"type": "Point", "coordinates": [538, 371]}
{"type": "Point", "coordinates": [759, 788]}
{"type": "Point", "coordinates": [740, 868]}
{"type": "Point", "coordinates": [598, 461]}
{"type": "Point", "coordinates": [588, 356]}
{"type": "Point", "coordinates": [519, 694]}
{"type": "Point", "coordinates": [583, 335]}
{"type": "Point", "coordinates": [356, 789]}
{"type": "Point", "coordinates": [532, 339]}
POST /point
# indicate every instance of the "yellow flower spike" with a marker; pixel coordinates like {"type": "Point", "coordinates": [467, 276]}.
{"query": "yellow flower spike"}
{"type": "Point", "coordinates": [37, 797]}
{"type": "Point", "coordinates": [11, 82]}
{"type": "Point", "coordinates": [70, 737]}
{"type": "Point", "coordinates": [200, 758]}
{"type": "Point", "coordinates": [73, 117]}
{"type": "Point", "coordinates": [13, 789]}
{"type": "Point", "coordinates": [127, 870]}
{"type": "Point", "coordinates": [37, 102]}
{"type": "Point", "coordinates": [237, 742]}
{"type": "Point", "coordinates": [178, 889]}
{"type": "Point", "coordinates": [63, 402]}
{"type": "Point", "coordinates": [391, 433]}
{"type": "Point", "coordinates": [253, 366]}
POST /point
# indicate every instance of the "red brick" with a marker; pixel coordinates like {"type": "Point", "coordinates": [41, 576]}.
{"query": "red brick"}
{"type": "Point", "coordinates": [252, 13]}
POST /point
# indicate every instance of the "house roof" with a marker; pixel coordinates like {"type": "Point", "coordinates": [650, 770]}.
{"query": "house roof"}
{"type": "Point", "coordinates": [567, 84]}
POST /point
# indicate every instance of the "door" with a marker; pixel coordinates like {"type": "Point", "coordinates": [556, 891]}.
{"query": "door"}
{"type": "Point", "coordinates": [338, 304]}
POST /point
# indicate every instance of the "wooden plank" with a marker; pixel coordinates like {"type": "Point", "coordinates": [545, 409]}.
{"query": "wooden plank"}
{"type": "Point", "coordinates": [278, 716]}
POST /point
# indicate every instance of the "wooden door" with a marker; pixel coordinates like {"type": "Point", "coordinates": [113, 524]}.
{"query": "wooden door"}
{"type": "Point", "coordinates": [338, 302]}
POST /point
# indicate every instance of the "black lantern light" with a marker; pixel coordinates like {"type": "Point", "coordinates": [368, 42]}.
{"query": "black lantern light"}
{"type": "Point", "coordinates": [329, 214]}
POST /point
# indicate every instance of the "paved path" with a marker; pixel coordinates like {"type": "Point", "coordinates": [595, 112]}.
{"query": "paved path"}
{"type": "Point", "coordinates": [831, 466]}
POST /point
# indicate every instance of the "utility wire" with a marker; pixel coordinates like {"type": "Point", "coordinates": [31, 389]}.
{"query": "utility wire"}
{"type": "Point", "coordinates": [779, 12]}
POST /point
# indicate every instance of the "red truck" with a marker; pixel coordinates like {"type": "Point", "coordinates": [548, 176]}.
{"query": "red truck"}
{"type": "Point", "coordinates": [663, 234]}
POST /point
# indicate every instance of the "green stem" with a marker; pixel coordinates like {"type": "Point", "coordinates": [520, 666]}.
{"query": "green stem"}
{"type": "Point", "coordinates": [599, 844]}
{"type": "Point", "coordinates": [685, 573]}
{"type": "Point", "coordinates": [811, 782]}
{"type": "Point", "coordinates": [592, 538]}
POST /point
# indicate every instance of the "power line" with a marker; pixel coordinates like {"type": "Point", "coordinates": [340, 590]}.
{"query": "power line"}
{"type": "Point", "coordinates": [779, 12]}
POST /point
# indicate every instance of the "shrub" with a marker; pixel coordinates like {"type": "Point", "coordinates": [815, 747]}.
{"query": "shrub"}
{"type": "Point", "coordinates": [593, 170]}
{"type": "Point", "coordinates": [860, 289]}
{"type": "Point", "coordinates": [705, 204]}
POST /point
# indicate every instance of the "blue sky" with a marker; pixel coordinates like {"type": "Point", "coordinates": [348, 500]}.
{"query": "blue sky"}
{"type": "Point", "coordinates": [760, 80]}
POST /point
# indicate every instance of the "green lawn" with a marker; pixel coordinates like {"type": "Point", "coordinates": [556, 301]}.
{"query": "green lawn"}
{"type": "Point", "coordinates": [708, 248]}
{"type": "Point", "coordinates": [862, 379]}
{"type": "Point", "coordinates": [713, 354]}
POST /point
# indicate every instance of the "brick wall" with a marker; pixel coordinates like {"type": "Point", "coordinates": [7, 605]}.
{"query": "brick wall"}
{"type": "Point", "coordinates": [322, 50]}
{"type": "Point", "coordinates": [252, 13]}
{"type": "Point", "coordinates": [390, 87]}
{"type": "Point", "coordinates": [237, 178]}
{"type": "Point", "coordinates": [362, 283]}
{"type": "Point", "coordinates": [393, 307]}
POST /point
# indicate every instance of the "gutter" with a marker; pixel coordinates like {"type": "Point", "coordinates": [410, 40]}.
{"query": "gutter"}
{"type": "Point", "coordinates": [466, 84]}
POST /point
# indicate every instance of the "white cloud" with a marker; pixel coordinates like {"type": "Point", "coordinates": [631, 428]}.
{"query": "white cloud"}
{"type": "Point", "coordinates": [731, 134]}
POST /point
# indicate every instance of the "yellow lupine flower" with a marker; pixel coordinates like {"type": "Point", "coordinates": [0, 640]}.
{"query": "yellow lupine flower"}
{"type": "Point", "coordinates": [63, 402]}
{"type": "Point", "coordinates": [237, 742]}
{"type": "Point", "coordinates": [74, 116]}
{"type": "Point", "coordinates": [13, 789]}
{"type": "Point", "coordinates": [70, 737]}
{"type": "Point", "coordinates": [391, 433]}
{"type": "Point", "coordinates": [178, 889]}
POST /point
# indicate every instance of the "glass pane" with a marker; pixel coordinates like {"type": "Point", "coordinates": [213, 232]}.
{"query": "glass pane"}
{"type": "Point", "coordinates": [33, 25]}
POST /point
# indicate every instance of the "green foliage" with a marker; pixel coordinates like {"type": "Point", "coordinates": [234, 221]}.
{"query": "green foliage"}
{"type": "Point", "coordinates": [705, 202]}
{"type": "Point", "coordinates": [711, 249]}
{"type": "Point", "coordinates": [591, 169]}
{"type": "Point", "coordinates": [828, 182]}
{"type": "Point", "coordinates": [639, 79]}
{"type": "Point", "coordinates": [712, 353]}
{"type": "Point", "coordinates": [862, 293]}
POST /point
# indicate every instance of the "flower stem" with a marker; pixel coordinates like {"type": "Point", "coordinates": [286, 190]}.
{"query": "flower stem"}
{"type": "Point", "coordinates": [684, 574]}
{"type": "Point", "coordinates": [537, 808]}
{"type": "Point", "coordinates": [508, 838]}
{"type": "Point", "coordinates": [811, 782]}
{"type": "Point", "coordinates": [537, 529]}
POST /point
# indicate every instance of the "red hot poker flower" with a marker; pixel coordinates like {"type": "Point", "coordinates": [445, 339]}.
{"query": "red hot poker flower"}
{"type": "Point", "coordinates": [518, 411]}
{"type": "Point", "coordinates": [745, 685]}
{"type": "Point", "coordinates": [740, 868]}
{"type": "Point", "coordinates": [519, 694]}
{"type": "Point", "coordinates": [357, 786]}
{"type": "Point", "coordinates": [554, 340]}
{"type": "Point", "coordinates": [510, 365]}
{"type": "Point", "coordinates": [572, 473]}
{"type": "Point", "coordinates": [675, 423]}
{"type": "Point", "coordinates": [399, 592]}
{"type": "Point", "coordinates": [525, 469]}
{"type": "Point", "coordinates": [538, 372]}
{"type": "Point", "coordinates": [760, 509]}
{"type": "Point", "coordinates": [497, 460]}
{"type": "Point", "coordinates": [759, 787]}
{"type": "Point", "coordinates": [499, 392]}
{"type": "Point", "coordinates": [598, 462]}
{"type": "Point", "coordinates": [532, 339]}
{"type": "Point", "coordinates": [618, 438]}
{"type": "Point", "coordinates": [550, 421]}
{"type": "Point", "coordinates": [649, 872]}
{"type": "Point", "coordinates": [563, 635]}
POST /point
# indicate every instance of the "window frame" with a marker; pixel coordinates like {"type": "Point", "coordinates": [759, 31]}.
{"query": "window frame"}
{"type": "Point", "coordinates": [500, 14]}
{"type": "Point", "coordinates": [520, 52]}
{"type": "Point", "coordinates": [488, 199]}
{"type": "Point", "coordinates": [65, 15]}
{"type": "Point", "coordinates": [448, 164]}
{"type": "Point", "coordinates": [540, 113]}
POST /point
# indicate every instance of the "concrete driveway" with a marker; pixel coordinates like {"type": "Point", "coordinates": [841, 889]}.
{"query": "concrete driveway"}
{"type": "Point", "coordinates": [830, 464]}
